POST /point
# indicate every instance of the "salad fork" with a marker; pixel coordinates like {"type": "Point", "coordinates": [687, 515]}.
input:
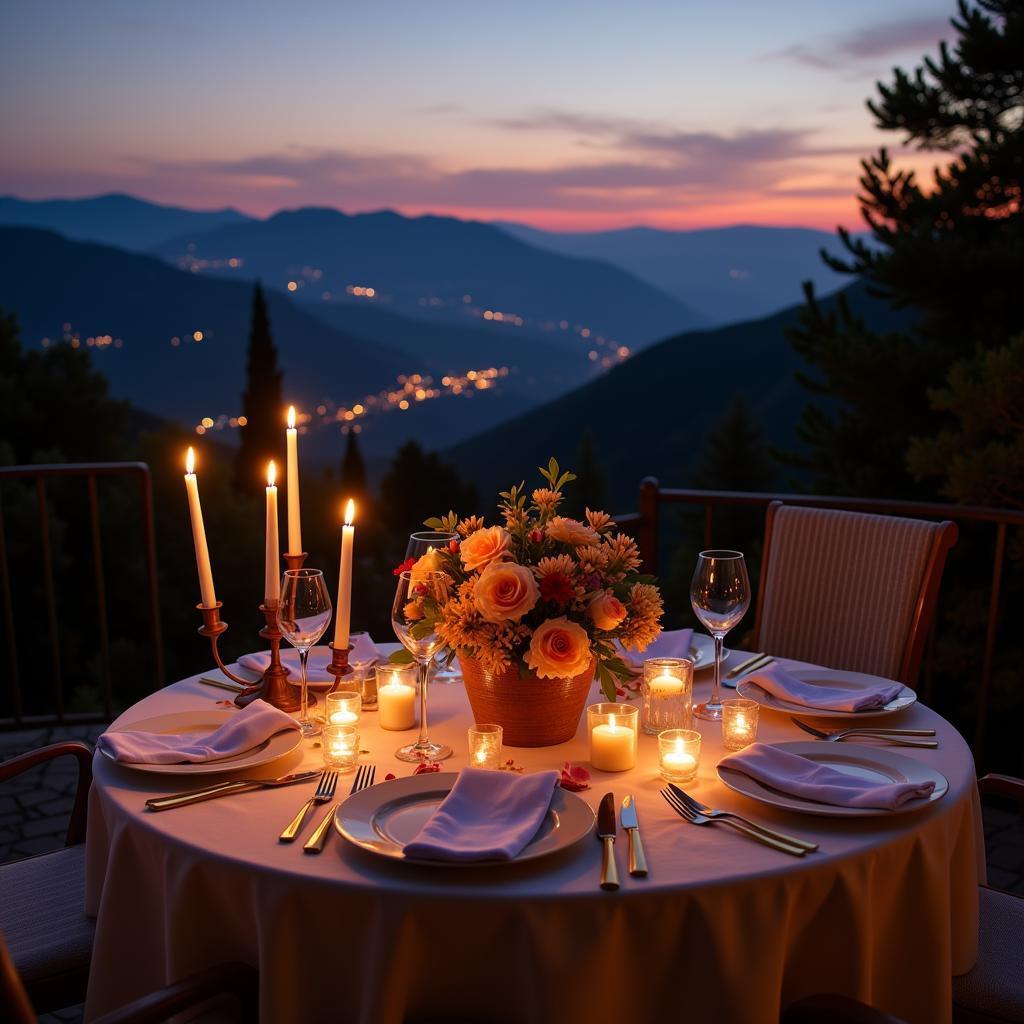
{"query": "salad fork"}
{"type": "Point", "coordinates": [324, 791]}
{"type": "Point", "coordinates": [895, 736]}
{"type": "Point", "coordinates": [364, 779]}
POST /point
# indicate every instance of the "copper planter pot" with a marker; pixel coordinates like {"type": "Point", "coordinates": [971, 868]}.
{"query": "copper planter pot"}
{"type": "Point", "coordinates": [532, 712]}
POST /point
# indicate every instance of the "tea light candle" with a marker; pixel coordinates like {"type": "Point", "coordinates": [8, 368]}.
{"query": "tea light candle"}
{"type": "Point", "coordinates": [667, 694]}
{"type": "Point", "coordinates": [343, 707]}
{"type": "Point", "coordinates": [484, 746]}
{"type": "Point", "coordinates": [739, 723]}
{"type": "Point", "coordinates": [340, 746]}
{"type": "Point", "coordinates": [612, 736]}
{"type": "Point", "coordinates": [396, 697]}
{"type": "Point", "coordinates": [678, 754]}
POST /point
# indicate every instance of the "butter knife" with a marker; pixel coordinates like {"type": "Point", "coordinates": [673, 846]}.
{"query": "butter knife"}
{"type": "Point", "coordinates": [194, 796]}
{"type": "Point", "coordinates": [606, 833]}
{"type": "Point", "coordinates": [637, 860]}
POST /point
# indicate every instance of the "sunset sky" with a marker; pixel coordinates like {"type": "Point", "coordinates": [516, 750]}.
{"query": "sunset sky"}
{"type": "Point", "coordinates": [566, 115]}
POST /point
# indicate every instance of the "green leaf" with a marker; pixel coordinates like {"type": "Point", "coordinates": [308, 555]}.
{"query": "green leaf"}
{"type": "Point", "coordinates": [402, 657]}
{"type": "Point", "coordinates": [433, 523]}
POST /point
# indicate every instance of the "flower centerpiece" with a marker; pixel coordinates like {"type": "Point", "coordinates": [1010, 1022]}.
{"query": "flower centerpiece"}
{"type": "Point", "coordinates": [534, 608]}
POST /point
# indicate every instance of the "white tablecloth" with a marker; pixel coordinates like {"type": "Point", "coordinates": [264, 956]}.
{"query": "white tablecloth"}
{"type": "Point", "coordinates": [723, 929]}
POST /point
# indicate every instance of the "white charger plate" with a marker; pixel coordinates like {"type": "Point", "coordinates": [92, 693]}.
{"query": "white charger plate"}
{"type": "Point", "coordinates": [204, 722]}
{"type": "Point", "coordinates": [875, 763]}
{"type": "Point", "coordinates": [383, 818]}
{"type": "Point", "coordinates": [852, 681]}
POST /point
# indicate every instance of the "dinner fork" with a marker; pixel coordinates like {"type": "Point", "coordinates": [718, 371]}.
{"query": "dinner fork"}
{"type": "Point", "coordinates": [363, 780]}
{"type": "Point", "coordinates": [324, 791]}
{"type": "Point", "coordinates": [696, 818]}
{"type": "Point", "coordinates": [895, 736]}
{"type": "Point", "coordinates": [698, 808]}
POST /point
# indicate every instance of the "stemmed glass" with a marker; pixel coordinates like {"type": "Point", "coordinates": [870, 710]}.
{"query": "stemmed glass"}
{"type": "Point", "coordinates": [419, 544]}
{"type": "Point", "coordinates": [720, 595]}
{"type": "Point", "coordinates": [414, 628]}
{"type": "Point", "coordinates": [303, 615]}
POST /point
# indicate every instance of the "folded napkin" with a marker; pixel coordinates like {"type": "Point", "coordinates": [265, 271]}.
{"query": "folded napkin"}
{"type": "Point", "coordinates": [780, 683]}
{"type": "Point", "coordinates": [363, 649]}
{"type": "Point", "coordinates": [244, 730]}
{"type": "Point", "coordinates": [800, 776]}
{"type": "Point", "coordinates": [672, 643]}
{"type": "Point", "coordinates": [487, 815]}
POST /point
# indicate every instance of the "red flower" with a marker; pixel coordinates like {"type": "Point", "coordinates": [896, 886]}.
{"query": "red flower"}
{"type": "Point", "coordinates": [453, 546]}
{"type": "Point", "coordinates": [536, 536]}
{"type": "Point", "coordinates": [404, 567]}
{"type": "Point", "coordinates": [557, 588]}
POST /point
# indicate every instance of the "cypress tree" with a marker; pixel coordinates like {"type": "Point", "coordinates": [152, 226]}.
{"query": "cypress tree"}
{"type": "Point", "coordinates": [590, 487]}
{"type": "Point", "coordinates": [353, 471]}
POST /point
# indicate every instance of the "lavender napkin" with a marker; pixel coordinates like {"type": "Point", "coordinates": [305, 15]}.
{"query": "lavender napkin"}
{"type": "Point", "coordinates": [487, 816]}
{"type": "Point", "coordinates": [363, 649]}
{"type": "Point", "coordinates": [244, 730]}
{"type": "Point", "coordinates": [780, 683]}
{"type": "Point", "coordinates": [802, 777]}
{"type": "Point", "coordinates": [673, 643]}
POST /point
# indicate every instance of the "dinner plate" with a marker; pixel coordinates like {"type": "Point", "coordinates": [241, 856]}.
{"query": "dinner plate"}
{"type": "Point", "coordinates": [383, 818]}
{"type": "Point", "coordinates": [204, 722]}
{"type": "Point", "coordinates": [875, 763]}
{"type": "Point", "coordinates": [852, 681]}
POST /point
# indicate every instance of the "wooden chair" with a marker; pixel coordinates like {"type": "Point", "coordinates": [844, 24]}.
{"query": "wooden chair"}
{"type": "Point", "coordinates": [42, 912]}
{"type": "Point", "coordinates": [849, 590]}
{"type": "Point", "coordinates": [993, 993]}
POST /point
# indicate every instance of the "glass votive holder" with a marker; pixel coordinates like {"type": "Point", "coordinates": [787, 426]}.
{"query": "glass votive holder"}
{"type": "Point", "coordinates": [343, 707]}
{"type": "Point", "coordinates": [739, 722]}
{"type": "Point", "coordinates": [367, 678]}
{"type": "Point", "coordinates": [613, 736]}
{"type": "Point", "coordinates": [678, 754]}
{"type": "Point", "coordinates": [340, 745]}
{"type": "Point", "coordinates": [666, 695]}
{"type": "Point", "coordinates": [484, 746]}
{"type": "Point", "coordinates": [396, 696]}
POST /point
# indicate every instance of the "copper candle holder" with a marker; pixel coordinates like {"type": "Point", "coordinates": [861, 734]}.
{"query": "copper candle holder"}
{"type": "Point", "coordinates": [339, 666]}
{"type": "Point", "coordinates": [294, 561]}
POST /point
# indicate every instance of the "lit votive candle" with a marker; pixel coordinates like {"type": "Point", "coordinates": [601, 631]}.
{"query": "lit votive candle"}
{"type": "Point", "coordinates": [344, 707]}
{"type": "Point", "coordinates": [613, 736]}
{"type": "Point", "coordinates": [666, 695]}
{"type": "Point", "coordinates": [396, 696]}
{"type": "Point", "coordinates": [484, 746]}
{"type": "Point", "coordinates": [341, 746]}
{"type": "Point", "coordinates": [678, 754]}
{"type": "Point", "coordinates": [739, 723]}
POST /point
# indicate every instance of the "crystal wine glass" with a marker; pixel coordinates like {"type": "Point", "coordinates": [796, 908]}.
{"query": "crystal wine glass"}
{"type": "Point", "coordinates": [419, 544]}
{"type": "Point", "coordinates": [720, 595]}
{"type": "Point", "coordinates": [303, 615]}
{"type": "Point", "coordinates": [416, 599]}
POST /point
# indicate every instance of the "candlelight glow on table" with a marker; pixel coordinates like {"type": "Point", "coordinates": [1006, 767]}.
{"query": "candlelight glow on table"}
{"type": "Point", "coordinates": [344, 707]}
{"type": "Point", "coordinates": [739, 723]}
{"type": "Point", "coordinates": [396, 696]}
{"type": "Point", "coordinates": [613, 736]}
{"type": "Point", "coordinates": [485, 746]}
{"type": "Point", "coordinates": [340, 746]}
{"type": "Point", "coordinates": [667, 695]}
{"type": "Point", "coordinates": [678, 754]}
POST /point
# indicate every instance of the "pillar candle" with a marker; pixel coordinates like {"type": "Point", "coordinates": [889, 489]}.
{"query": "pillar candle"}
{"type": "Point", "coordinates": [272, 572]}
{"type": "Point", "coordinates": [396, 706]}
{"type": "Point", "coordinates": [294, 525]}
{"type": "Point", "coordinates": [612, 748]}
{"type": "Point", "coordinates": [199, 533]}
{"type": "Point", "coordinates": [343, 621]}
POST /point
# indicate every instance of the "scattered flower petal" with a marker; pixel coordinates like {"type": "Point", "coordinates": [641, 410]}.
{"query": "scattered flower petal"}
{"type": "Point", "coordinates": [574, 778]}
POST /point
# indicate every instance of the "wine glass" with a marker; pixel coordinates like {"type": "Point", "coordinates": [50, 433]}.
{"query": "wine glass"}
{"type": "Point", "coordinates": [720, 595]}
{"type": "Point", "coordinates": [416, 598]}
{"type": "Point", "coordinates": [303, 615]}
{"type": "Point", "coordinates": [419, 544]}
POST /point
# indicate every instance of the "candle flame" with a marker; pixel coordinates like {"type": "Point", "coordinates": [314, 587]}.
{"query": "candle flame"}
{"type": "Point", "coordinates": [271, 473]}
{"type": "Point", "coordinates": [190, 461]}
{"type": "Point", "coordinates": [611, 723]}
{"type": "Point", "coordinates": [350, 512]}
{"type": "Point", "coordinates": [291, 417]}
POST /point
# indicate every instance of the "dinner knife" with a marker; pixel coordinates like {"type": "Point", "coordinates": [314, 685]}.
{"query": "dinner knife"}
{"type": "Point", "coordinates": [166, 803]}
{"type": "Point", "coordinates": [606, 833]}
{"type": "Point", "coordinates": [637, 860]}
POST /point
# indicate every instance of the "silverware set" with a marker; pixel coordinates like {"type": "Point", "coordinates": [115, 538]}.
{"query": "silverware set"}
{"type": "Point", "coordinates": [898, 737]}
{"type": "Point", "coordinates": [324, 791]}
{"type": "Point", "coordinates": [363, 780]}
{"type": "Point", "coordinates": [606, 832]}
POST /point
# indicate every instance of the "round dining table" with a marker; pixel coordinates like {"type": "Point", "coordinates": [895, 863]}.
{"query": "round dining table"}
{"type": "Point", "coordinates": [721, 929]}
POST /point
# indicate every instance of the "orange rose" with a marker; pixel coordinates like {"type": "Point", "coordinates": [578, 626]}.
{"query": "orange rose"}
{"type": "Point", "coordinates": [505, 591]}
{"type": "Point", "coordinates": [484, 546]}
{"type": "Point", "coordinates": [426, 563]}
{"type": "Point", "coordinates": [559, 649]}
{"type": "Point", "coordinates": [606, 610]}
{"type": "Point", "coordinates": [571, 531]}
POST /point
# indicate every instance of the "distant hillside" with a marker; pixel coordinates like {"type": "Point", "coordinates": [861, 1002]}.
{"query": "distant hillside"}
{"type": "Point", "coordinates": [652, 414]}
{"type": "Point", "coordinates": [113, 219]}
{"type": "Point", "coordinates": [441, 268]}
{"type": "Point", "coordinates": [728, 274]}
{"type": "Point", "coordinates": [154, 311]}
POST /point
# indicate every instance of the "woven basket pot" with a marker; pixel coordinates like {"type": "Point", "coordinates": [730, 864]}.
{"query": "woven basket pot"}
{"type": "Point", "coordinates": [532, 712]}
